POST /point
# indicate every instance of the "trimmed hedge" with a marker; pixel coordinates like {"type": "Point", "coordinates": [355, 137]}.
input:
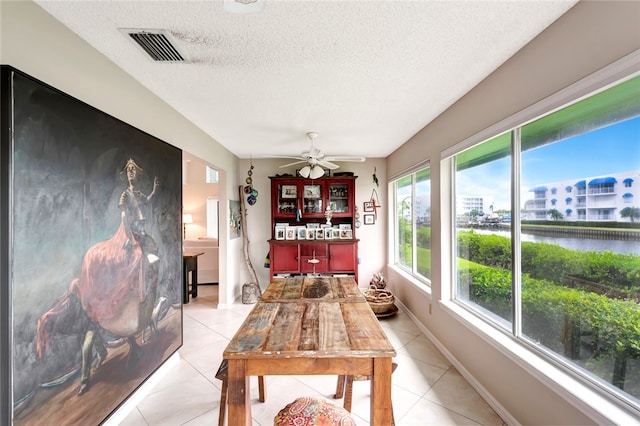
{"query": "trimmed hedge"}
{"type": "Point", "coordinates": [617, 275]}
{"type": "Point", "coordinates": [615, 323]}
{"type": "Point", "coordinates": [567, 320]}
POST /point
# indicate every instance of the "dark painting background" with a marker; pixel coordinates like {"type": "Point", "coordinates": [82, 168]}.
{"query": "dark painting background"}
{"type": "Point", "coordinates": [67, 183]}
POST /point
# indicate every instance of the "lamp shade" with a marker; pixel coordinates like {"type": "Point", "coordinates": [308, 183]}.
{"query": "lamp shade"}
{"type": "Point", "coordinates": [187, 218]}
{"type": "Point", "coordinates": [316, 172]}
{"type": "Point", "coordinates": [304, 172]}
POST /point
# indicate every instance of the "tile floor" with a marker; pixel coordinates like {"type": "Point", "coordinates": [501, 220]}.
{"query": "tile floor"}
{"type": "Point", "coordinates": [427, 389]}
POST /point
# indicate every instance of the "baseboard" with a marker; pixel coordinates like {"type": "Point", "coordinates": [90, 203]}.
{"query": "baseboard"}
{"type": "Point", "coordinates": [484, 393]}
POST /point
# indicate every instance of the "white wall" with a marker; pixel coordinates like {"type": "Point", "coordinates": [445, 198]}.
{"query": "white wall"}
{"type": "Point", "coordinates": [371, 248]}
{"type": "Point", "coordinates": [35, 43]}
{"type": "Point", "coordinates": [588, 37]}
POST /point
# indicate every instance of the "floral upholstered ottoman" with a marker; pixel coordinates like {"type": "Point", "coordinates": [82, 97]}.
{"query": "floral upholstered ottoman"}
{"type": "Point", "coordinates": [313, 411]}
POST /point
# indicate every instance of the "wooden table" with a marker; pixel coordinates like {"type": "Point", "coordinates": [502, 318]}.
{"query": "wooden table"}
{"type": "Point", "coordinates": [190, 264]}
{"type": "Point", "coordinates": [309, 326]}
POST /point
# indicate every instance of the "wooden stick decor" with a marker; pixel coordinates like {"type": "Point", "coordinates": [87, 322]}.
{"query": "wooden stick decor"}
{"type": "Point", "coordinates": [251, 291]}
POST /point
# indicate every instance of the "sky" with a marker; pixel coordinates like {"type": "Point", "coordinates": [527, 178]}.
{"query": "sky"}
{"type": "Point", "coordinates": [602, 152]}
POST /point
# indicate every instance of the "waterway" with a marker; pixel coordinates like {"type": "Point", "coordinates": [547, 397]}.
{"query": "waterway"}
{"type": "Point", "coordinates": [573, 242]}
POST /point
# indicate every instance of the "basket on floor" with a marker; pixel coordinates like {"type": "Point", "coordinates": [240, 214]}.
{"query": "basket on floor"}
{"type": "Point", "coordinates": [380, 300]}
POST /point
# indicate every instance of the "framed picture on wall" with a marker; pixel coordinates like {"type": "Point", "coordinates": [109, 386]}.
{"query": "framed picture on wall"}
{"type": "Point", "coordinates": [369, 206]}
{"type": "Point", "coordinates": [107, 199]}
{"type": "Point", "coordinates": [369, 219]}
{"type": "Point", "coordinates": [235, 229]}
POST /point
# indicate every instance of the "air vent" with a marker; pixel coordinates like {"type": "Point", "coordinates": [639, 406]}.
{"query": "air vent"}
{"type": "Point", "coordinates": [157, 44]}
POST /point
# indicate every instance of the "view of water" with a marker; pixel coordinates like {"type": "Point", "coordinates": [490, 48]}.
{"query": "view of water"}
{"type": "Point", "coordinates": [573, 243]}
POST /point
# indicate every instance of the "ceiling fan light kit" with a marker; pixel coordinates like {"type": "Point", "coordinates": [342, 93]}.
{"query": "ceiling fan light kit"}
{"type": "Point", "coordinates": [316, 161]}
{"type": "Point", "coordinates": [314, 172]}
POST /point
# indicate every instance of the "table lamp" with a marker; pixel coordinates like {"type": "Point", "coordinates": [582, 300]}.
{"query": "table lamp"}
{"type": "Point", "coordinates": [186, 218]}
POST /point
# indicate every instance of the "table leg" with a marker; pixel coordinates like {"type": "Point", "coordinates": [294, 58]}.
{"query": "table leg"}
{"type": "Point", "coordinates": [381, 410]}
{"type": "Point", "coordinates": [185, 282]}
{"type": "Point", "coordinates": [194, 278]}
{"type": "Point", "coordinates": [238, 398]}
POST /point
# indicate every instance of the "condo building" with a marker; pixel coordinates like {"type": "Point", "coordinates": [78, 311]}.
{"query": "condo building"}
{"type": "Point", "coordinates": [595, 198]}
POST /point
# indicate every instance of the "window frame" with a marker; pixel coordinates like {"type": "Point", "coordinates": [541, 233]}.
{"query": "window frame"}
{"type": "Point", "coordinates": [614, 74]}
{"type": "Point", "coordinates": [412, 272]}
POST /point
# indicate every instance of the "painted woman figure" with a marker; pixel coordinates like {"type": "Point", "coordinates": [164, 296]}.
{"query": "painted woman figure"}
{"type": "Point", "coordinates": [133, 205]}
{"type": "Point", "coordinates": [117, 285]}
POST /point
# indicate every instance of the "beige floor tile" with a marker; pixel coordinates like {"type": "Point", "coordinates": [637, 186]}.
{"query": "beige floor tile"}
{"type": "Point", "coordinates": [402, 322]}
{"type": "Point", "coordinates": [455, 393]}
{"type": "Point", "coordinates": [178, 405]}
{"type": "Point", "coordinates": [416, 376]}
{"type": "Point", "coordinates": [426, 389]}
{"type": "Point", "coordinates": [422, 349]}
{"type": "Point", "coordinates": [426, 413]}
{"type": "Point", "coordinates": [134, 418]}
{"type": "Point", "coordinates": [398, 338]}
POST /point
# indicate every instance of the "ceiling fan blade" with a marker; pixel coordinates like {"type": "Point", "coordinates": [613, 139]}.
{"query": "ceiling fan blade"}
{"type": "Point", "coordinates": [353, 159]}
{"type": "Point", "coordinates": [293, 164]}
{"type": "Point", "coordinates": [292, 157]}
{"type": "Point", "coordinates": [327, 164]}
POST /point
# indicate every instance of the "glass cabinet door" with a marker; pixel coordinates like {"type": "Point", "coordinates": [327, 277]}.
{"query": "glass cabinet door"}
{"type": "Point", "coordinates": [339, 197]}
{"type": "Point", "coordinates": [312, 198]}
{"type": "Point", "coordinates": [287, 198]}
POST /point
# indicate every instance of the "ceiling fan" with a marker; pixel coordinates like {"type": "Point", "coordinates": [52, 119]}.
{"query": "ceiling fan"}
{"type": "Point", "coordinates": [317, 161]}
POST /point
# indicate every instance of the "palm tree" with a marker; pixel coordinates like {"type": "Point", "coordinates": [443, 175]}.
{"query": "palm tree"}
{"type": "Point", "coordinates": [555, 214]}
{"type": "Point", "coordinates": [630, 212]}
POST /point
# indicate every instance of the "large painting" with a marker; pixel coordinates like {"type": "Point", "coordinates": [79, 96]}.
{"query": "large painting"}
{"type": "Point", "coordinates": [91, 259]}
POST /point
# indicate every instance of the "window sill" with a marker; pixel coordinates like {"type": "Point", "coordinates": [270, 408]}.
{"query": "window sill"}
{"type": "Point", "coordinates": [598, 407]}
{"type": "Point", "coordinates": [411, 279]}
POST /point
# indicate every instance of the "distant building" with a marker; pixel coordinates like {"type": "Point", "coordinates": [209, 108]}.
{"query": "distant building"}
{"type": "Point", "coordinates": [466, 204]}
{"type": "Point", "coordinates": [597, 198]}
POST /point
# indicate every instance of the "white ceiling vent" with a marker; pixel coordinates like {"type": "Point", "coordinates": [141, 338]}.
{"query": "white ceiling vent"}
{"type": "Point", "coordinates": [156, 43]}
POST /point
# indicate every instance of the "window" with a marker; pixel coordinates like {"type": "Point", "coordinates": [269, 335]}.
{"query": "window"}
{"type": "Point", "coordinates": [491, 159]}
{"type": "Point", "coordinates": [566, 295]}
{"type": "Point", "coordinates": [212, 217]}
{"type": "Point", "coordinates": [412, 225]}
{"type": "Point", "coordinates": [212, 175]}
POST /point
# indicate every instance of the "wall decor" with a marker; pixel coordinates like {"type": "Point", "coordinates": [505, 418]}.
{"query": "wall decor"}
{"type": "Point", "coordinates": [291, 233]}
{"type": "Point", "coordinates": [368, 206]}
{"type": "Point", "coordinates": [90, 208]}
{"type": "Point", "coordinates": [328, 233]}
{"type": "Point", "coordinates": [369, 219]}
{"type": "Point", "coordinates": [235, 225]}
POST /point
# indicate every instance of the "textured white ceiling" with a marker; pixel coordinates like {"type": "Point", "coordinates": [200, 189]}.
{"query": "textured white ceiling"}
{"type": "Point", "coordinates": [366, 75]}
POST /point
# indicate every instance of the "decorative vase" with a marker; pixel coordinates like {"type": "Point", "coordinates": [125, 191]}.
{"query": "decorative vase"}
{"type": "Point", "coordinates": [250, 293]}
{"type": "Point", "coordinates": [328, 213]}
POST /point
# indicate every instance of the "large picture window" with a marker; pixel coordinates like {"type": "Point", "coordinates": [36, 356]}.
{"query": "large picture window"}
{"type": "Point", "coordinates": [559, 273]}
{"type": "Point", "coordinates": [412, 195]}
